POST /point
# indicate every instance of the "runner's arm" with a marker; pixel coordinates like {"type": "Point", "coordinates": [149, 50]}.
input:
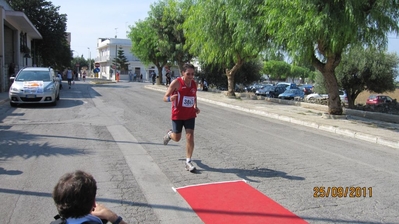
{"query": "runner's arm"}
{"type": "Point", "coordinates": [172, 87]}
{"type": "Point", "coordinates": [195, 102]}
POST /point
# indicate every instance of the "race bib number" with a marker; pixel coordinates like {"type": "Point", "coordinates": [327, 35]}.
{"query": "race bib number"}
{"type": "Point", "coordinates": [188, 101]}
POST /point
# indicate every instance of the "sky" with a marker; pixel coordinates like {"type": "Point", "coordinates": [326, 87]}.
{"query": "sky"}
{"type": "Point", "coordinates": [88, 20]}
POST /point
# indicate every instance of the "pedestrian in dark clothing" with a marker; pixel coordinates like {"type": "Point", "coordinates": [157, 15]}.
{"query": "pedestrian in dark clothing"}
{"type": "Point", "coordinates": [153, 76]}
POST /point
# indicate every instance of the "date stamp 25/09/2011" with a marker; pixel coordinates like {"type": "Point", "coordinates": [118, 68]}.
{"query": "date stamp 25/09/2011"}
{"type": "Point", "coordinates": [342, 192]}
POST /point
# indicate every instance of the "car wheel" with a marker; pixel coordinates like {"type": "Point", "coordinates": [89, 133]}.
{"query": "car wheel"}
{"type": "Point", "coordinates": [312, 100]}
{"type": "Point", "coordinates": [13, 104]}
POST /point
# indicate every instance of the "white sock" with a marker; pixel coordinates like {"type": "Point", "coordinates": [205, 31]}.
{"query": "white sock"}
{"type": "Point", "coordinates": [188, 160]}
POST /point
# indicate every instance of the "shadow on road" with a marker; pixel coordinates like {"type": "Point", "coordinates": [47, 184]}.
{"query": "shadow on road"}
{"type": "Point", "coordinates": [246, 174]}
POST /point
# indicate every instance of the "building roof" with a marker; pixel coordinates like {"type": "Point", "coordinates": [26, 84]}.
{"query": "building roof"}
{"type": "Point", "coordinates": [20, 20]}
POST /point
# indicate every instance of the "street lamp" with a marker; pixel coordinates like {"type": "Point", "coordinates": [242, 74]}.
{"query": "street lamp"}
{"type": "Point", "coordinates": [89, 60]}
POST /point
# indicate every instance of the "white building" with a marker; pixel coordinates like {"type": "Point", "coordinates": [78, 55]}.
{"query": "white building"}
{"type": "Point", "coordinates": [16, 36]}
{"type": "Point", "coordinates": [107, 50]}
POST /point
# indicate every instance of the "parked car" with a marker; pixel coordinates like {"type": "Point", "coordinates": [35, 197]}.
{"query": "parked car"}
{"type": "Point", "coordinates": [314, 97]}
{"type": "Point", "coordinates": [239, 88]}
{"type": "Point", "coordinates": [307, 89]}
{"type": "Point", "coordinates": [378, 100]}
{"type": "Point", "coordinates": [254, 87]}
{"type": "Point", "coordinates": [222, 87]}
{"type": "Point", "coordinates": [34, 85]}
{"type": "Point", "coordinates": [263, 91]}
{"type": "Point", "coordinates": [343, 97]}
{"type": "Point", "coordinates": [275, 91]}
{"type": "Point", "coordinates": [291, 94]}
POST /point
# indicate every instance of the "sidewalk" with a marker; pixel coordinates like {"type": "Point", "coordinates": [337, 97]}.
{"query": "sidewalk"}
{"type": "Point", "coordinates": [310, 115]}
{"type": "Point", "coordinates": [3, 97]}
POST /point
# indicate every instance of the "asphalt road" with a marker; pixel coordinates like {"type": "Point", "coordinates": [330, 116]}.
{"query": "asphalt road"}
{"type": "Point", "coordinates": [114, 131]}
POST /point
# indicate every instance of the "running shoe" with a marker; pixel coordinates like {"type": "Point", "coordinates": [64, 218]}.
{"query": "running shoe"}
{"type": "Point", "coordinates": [190, 167]}
{"type": "Point", "coordinates": [166, 138]}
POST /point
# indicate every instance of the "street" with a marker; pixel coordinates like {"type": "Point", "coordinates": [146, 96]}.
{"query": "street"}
{"type": "Point", "coordinates": [114, 131]}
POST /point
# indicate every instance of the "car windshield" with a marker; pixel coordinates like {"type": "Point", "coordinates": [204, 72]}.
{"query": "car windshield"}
{"type": "Point", "coordinates": [372, 97]}
{"type": "Point", "coordinates": [33, 76]}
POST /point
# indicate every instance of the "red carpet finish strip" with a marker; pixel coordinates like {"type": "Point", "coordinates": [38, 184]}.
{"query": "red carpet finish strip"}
{"type": "Point", "coordinates": [235, 202]}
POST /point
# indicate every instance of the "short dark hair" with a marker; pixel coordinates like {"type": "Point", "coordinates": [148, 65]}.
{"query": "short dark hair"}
{"type": "Point", "coordinates": [187, 65]}
{"type": "Point", "coordinates": [74, 195]}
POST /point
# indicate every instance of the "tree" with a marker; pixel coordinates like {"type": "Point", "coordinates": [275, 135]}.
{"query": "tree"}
{"type": "Point", "coordinates": [121, 61]}
{"type": "Point", "coordinates": [247, 74]}
{"type": "Point", "coordinates": [277, 70]}
{"type": "Point", "coordinates": [300, 72]}
{"type": "Point", "coordinates": [220, 32]}
{"type": "Point", "coordinates": [367, 69]}
{"type": "Point", "coordinates": [170, 30]}
{"type": "Point", "coordinates": [53, 49]}
{"type": "Point", "coordinates": [162, 36]}
{"type": "Point", "coordinates": [79, 60]}
{"type": "Point", "coordinates": [146, 47]}
{"type": "Point", "coordinates": [324, 29]}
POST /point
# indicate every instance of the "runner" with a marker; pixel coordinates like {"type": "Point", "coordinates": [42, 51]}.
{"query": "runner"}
{"type": "Point", "coordinates": [69, 77]}
{"type": "Point", "coordinates": [182, 92]}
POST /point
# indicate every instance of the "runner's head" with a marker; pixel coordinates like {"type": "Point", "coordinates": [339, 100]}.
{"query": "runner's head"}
{"type": "Point", "coordinates": [188, 71]}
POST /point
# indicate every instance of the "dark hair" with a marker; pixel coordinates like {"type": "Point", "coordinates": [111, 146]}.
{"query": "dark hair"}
{"type": "Point", "coordinates": [186, 66]}
{"type": "Point", "coordinates": [74, 195]}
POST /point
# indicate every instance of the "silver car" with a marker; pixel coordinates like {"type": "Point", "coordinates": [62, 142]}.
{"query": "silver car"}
{"type": "Point", "coordinates": [34, 85]}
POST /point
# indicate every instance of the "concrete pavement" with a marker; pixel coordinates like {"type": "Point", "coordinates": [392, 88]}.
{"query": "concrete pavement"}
{"type": "Point", "coordinates": [371, 127]}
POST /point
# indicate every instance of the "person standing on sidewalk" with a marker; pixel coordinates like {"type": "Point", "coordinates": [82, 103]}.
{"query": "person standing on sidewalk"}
{"type": "Point", "coordinates": [182, 92]}
{"type": "Point", "coordinates": [153, 76]}
{"type": "Point", "coordinates": [69, 77]}
{"type": "Point", "coordinates": [84, 76]}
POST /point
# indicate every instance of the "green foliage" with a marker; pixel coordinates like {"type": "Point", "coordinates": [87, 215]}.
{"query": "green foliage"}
{"type": "Point", "coordinates": [146, 47]}
{"type": "Point", "coordinates": [78, 60]}
{"type": "Point", "coordinates": [318, 32]}
{"type": "Point", "coordinates": [319, 86]}
{"type": "Point", "coordinates": [247, 74]}
{"type": "Point", "coordinates": [329, 25]}
{"type": "Point", "coordinates": [53, 49]}
{"type": "Point", "coordinates": [121, 61]}
{"type": "Point", "coordinates": [145, 43]}
{"type": "Point", "coordinates": [220, 32]}
{"type": "Point", "coordinates": [171, 30]}
{"type": "Point", "coordinates": [367, 69]}
{"type": "Point", "coordinates": [160, 39]}
{"type": "Point", "coordinates": [213, 74]}
{"type": "Point", "coordinates": [299, 72]}
{"type": "Point", "coordinates": [277, 70]}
